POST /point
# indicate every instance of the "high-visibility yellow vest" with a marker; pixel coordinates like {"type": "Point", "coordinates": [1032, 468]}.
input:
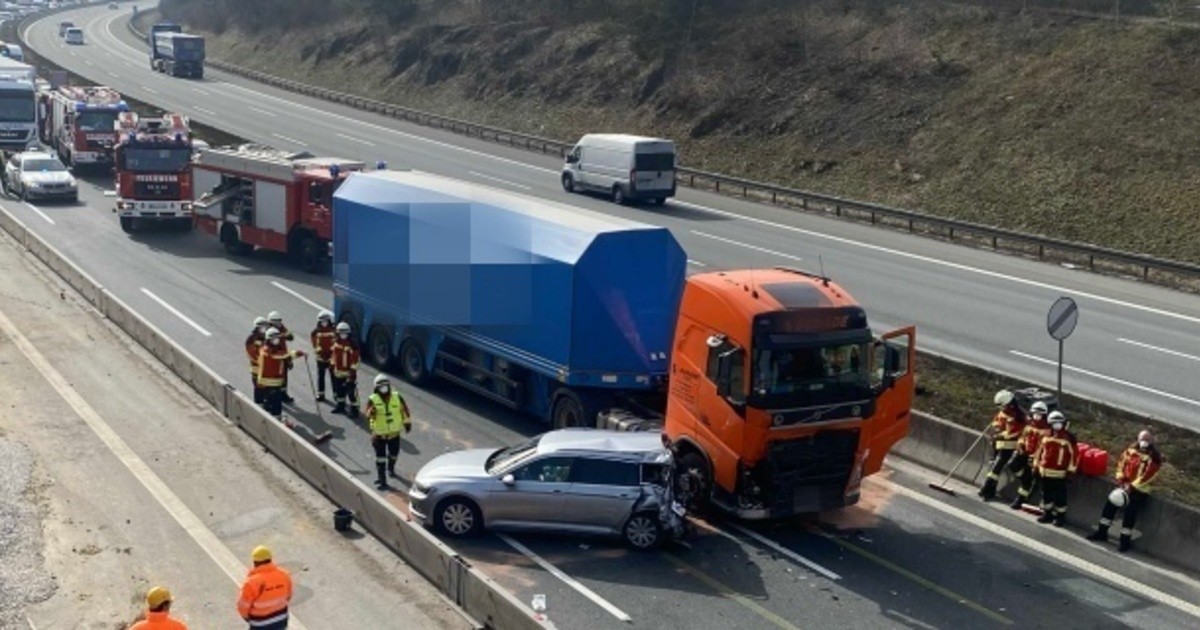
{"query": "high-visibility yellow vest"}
{"type": "Point", "coordinates": [387, 418]}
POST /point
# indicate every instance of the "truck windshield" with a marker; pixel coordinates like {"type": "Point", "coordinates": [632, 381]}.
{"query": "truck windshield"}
{"type": "Point", "coordinates": [811, 374]}
{"type": "Point", "coordinates": [96, 121]}
{"type": "Point", "coordinates": [155, 160]}
{"type": "Point", "coordinates": [17, 107]}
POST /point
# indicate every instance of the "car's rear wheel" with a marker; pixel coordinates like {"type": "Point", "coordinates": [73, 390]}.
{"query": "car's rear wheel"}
{"type": "Point", "coordinates": [618, 195]}
{"type": "Point", "coordinates": [643, 531]}
{"type": "Point", "coordinates": [459, 517]}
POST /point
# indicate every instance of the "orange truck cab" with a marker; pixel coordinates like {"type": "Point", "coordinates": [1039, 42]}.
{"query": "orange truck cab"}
{"type": "Point", "coordinates": [780, 398]}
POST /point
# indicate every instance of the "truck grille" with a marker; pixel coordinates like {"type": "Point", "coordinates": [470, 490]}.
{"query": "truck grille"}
{"type": "Point", "coordinates": [156, 190]}
{"type": "Point", "coordinates": [810, 469]}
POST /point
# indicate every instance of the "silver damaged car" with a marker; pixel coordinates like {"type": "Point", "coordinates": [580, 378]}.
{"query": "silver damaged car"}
{"type": "Point", "coordinates": [574, 481]}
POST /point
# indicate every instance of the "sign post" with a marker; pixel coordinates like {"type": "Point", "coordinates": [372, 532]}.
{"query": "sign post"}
{"type": "Point", "coordinates": [1060, 323]}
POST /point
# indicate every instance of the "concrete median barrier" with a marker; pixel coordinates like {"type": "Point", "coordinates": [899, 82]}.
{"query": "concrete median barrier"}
{"type": "Point", "coordinates": [67, 270]}
{"type": "Point", "coordinates": [14, 227]}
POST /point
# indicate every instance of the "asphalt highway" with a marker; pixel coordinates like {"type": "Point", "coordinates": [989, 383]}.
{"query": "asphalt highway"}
{"type": "Point", "coordinates": [899, 559]}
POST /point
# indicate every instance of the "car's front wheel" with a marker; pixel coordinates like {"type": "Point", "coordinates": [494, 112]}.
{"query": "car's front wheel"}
{"type": "Point", "coordinates": [643, 531]}
{"type": "Point", "coordinates": [459, 517]}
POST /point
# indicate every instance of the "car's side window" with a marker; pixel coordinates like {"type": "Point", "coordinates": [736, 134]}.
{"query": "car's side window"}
{"type": "Point", "coordinates": [605, 472]}
{"type": "Point", "coordinates": [548, 470]}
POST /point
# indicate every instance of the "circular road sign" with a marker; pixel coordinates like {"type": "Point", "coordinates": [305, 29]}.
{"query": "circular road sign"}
{"type": "Point", "coordinates": [1063, 316]}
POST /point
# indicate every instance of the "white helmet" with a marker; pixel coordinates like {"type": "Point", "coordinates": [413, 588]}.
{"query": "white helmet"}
{"type": "Point", "coordinates": [1003, 397]}
{"type": "Point", "coordinates": [1039, 407]}
{"type": "Point", "coordinates": [274, 317]}
{"type": "Point", "coordinates": [272, 333]}
{"type": "Point", "coordinates": [381, 379]}
{"type": "Point", "coordinates": [325, 316]}
{"type": "Point", "coordinates": [1057, 417]}
{"type": "Point", "coordinates": [260, 321]}
{"type": "Point", "coordinates": [343, 327]}
{"type": "Point", "coordinates": [1118, 497]}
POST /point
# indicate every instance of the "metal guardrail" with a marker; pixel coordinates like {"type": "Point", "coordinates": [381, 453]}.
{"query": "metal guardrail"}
{"type": "Point", "coordinates": [1094, 257]}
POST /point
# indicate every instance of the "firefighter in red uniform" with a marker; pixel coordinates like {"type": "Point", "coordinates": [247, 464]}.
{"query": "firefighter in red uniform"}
{"type": "Point", "coordinates": [274, 360]}
{"type": "Point", "coordinates": [1006, 427]}
{"type": "Point", "coordinates": [322, 338]}
{"type": "Point", "coordinates": [1057, 457]}
{"type": "Point", "coordinates": [1136, 470]}
{"type": "Point", "coordinates": [344, 369]}
{"type": "Point", "coordinates": [275, 320]}
{"type": "Point", "coordinates": [1022, 464]}
{"type": "Point", "coordinates": [254, 344]}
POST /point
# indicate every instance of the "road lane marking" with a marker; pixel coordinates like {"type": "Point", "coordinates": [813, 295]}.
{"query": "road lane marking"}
{"type": "Point", "coordinates": [261, 111]}
{"type": "Point", "coordinates": [696, 263]}
{"type": "Point", "coordinates": [1103, 377]}
{"type": "Point", "coordinates": [199, 91]}
{"type": "Point", "coordinates": [780, 549]}
{"type": "Point", "coordinates": [901, 571]}
{"type": "Point", "coordinates": [353, 139]}
{"type": "Point", "coordinates": [296, 295]}
{"type": "Point", "coordinates": [943, 263]}
{"type": "Point", "coordinates": [1163, 350]}
{"type": "Point", "coordinates": [498, 180]}
{"type": "Point", "coordinates": [730, 594]}
{"type": "Point", "coordinates": [287, 139]}
{"type": "Point", "coordinates": [150, 90]}
{"type": "Point", "coordinates": [1036, 547]}
{"type": "Point", "coordinates": [746, 245]}
{"type": "Point", "coordinates": [568, 580]}
{"type": "Point", "coordinates": [39, 212]}
{"type": "Point", "coordinates": [206, 111]}
{"type": "Point", "coordinates": [170, 502]}
{"type": "Point", "coordinates": [187, 320]}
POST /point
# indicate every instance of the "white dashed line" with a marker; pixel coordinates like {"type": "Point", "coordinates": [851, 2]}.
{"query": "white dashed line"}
{"type": "Point", "coordinates": [747, 246]}
{"type": "Point", "coordinates": [174, 311]}
{"type": "Point", "coordinates": [297, 295]}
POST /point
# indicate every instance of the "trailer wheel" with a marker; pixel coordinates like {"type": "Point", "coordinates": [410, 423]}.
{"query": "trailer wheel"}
{"type": "Point", "coordinates": [568, 411]}
{"type": "Point", "coordinates": [379, 346]}
{"type": "Point", "coordinates": [412, 361]}
{"type": "Point", "coordinates": [127, 225]}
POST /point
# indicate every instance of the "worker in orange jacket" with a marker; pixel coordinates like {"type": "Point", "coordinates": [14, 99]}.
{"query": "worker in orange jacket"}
{"type": "Point", "coordinates": [158, 612]}
{"type": "Point", "coordinates": [275, 320]}
{"type": "Point", "coordinates": [344, 369]}
{"type": "Point", "coordinates": [274, 360]}
{"type": "Point", "coordinates": [1057, 457]}
{"type": "Point", "coordinates": [1022, 464]}
{"type": "Point", "coordinates": [254, 343]}
{"type": "Point", "coordinates": [1006, 428]}
{"type": "Point", "coordinates": [1136, 470]}
{"type": "Point", "coordinates": [266, 593]}
{"type": "Point", "coordinates": [322, 338]}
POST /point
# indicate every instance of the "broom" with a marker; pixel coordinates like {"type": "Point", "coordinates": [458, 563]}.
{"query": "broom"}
{"type": "Point", "coordinates": [317, 439]}
{"type": "Point", "coordinates": [941, 487]}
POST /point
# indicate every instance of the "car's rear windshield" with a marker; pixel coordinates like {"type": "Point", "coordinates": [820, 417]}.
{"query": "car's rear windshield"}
{"type": "Point", "coordinates": [654, 161]}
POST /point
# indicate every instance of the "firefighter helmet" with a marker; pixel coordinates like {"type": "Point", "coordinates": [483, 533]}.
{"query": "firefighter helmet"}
{"type": "Point", "coordinates": [1003, 397]}
{"type": "Point", "coordinates": [275, 317]}
{"type": "Point", "coordinates": [1039, 407]}
{"type": "Point", "coordinates": [343, 327]}
{"type": "Point", "coordinates": [325, 316]}
{"type": "Point", "coordinates": [381, 379]}
{"type": "Point", "coordinates": [272, 333]}
{"type": "Point", "coordinates": [260, 321]}
{"type": "Point", "coordinates": [1057, 417]}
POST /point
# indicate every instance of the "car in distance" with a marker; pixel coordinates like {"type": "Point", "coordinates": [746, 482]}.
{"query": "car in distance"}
{"type": "Point", "coordinates": [572, 481]}
{"type": "Point", "coordinates": [39, 175]}
{"type": "Point", "coordinates": [74, 35]}
{"type": "Point", "coordinates": [63, 26]}
{"type": "Point", "coordinates": [623, 167]}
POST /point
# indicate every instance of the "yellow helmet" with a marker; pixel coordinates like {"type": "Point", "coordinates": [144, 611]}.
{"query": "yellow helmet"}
{"type": "Point", "coordinates": [157, 596]}
{"type": "Point", "coordinates": [260, 554]}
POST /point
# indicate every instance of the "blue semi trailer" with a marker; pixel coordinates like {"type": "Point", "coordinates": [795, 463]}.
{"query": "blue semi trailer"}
{"type": "Point", "coordinates": [546, 308]}
{"type": "Point", "coordinates": [174, 52]}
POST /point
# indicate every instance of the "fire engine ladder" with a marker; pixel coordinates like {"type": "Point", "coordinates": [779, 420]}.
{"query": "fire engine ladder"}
{"type": "Point", "coordinates": [215, 197]}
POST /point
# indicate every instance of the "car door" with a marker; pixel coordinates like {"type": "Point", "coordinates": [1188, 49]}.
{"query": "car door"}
{"type": "Point", "coordinates": [536, 497]}
{"type": "Point", "coordinates": [602, 494]}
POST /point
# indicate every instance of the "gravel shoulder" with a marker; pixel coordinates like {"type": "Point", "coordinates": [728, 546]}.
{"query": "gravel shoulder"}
{"type": "Point", "coordinates": [82, 538]}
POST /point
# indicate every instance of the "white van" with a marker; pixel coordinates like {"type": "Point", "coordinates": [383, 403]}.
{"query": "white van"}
{"type": "Point", "coordinates": [74, 35]}
{"type": "Point", "coordinates": [622, 166]}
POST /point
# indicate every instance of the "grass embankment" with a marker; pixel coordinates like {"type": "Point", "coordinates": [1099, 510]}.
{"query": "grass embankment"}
{"type": "Point", "coordinates": [1064, 126]}
{"type": "Point", "coordinates": [963, 395]}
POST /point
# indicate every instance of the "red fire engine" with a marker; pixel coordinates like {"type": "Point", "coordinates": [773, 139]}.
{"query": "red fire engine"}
{"type": "Point", "coordinates": [80, 122]}
{"type": "Point", "coordinates": [153, 163]}
{"type": "Point", "coordinates": [255, 196]}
